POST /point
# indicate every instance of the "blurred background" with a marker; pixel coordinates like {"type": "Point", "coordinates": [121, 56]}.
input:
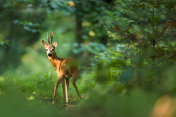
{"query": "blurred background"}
{"type": "Point", "coordinates": [126, 52]}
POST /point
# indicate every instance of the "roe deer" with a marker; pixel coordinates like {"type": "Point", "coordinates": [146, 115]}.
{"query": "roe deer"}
{"type": "Point", "coordinates": [65, 68]}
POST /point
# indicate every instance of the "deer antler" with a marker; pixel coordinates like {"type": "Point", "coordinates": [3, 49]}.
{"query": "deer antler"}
{"type": "Point", "coordinates": [48, 38]}
{"type": "Point", "coordinates": [52, 37]}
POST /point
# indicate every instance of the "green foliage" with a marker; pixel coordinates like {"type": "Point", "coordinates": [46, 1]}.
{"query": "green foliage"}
{"type": "Point", "coordinates": [3, 43]}
{"type": "Point", "coordinates": [125, 50]}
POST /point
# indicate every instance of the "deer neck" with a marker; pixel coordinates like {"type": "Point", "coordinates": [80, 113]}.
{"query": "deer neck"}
{"type": "Point", "coordinates": [54, 60]}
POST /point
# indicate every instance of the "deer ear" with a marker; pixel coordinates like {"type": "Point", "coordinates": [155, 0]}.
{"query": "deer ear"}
{"type": "Point", "coordinates": [44, 44]}
{"type": "Point", "coordinates": [55, 44]}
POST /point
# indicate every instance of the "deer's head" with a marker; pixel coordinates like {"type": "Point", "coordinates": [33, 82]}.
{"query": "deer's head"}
{"type": "Point", "coordinates": [50, 47]}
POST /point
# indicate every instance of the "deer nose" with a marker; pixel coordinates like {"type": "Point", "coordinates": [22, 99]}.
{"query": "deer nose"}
{"type": "Point", "coordinates": [49, 54]}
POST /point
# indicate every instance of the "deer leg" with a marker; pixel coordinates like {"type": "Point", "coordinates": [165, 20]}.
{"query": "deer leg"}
{"type": "Point", "coordinates": [74, 84]}
{"type": "Point", "coordinates": [55, 88]}
{"type": "Point", "coordinates": [66, 89]}
{"type": "Point", "coordinates": [63, 88]}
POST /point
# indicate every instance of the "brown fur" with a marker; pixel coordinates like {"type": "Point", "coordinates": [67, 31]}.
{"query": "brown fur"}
{"type": "Point", "coordinates": [65, 69]}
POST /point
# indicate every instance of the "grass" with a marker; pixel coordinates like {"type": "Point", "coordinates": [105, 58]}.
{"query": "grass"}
{"type": "Point", "coordinates": [32, 94]}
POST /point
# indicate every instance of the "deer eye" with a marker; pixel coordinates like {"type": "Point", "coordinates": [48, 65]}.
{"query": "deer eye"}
{"type": "Point", "coordinates": [52, 49]}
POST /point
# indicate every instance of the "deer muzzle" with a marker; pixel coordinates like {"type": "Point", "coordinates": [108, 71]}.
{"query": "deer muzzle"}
{"type": "Point", "coordinates": [49, 54]}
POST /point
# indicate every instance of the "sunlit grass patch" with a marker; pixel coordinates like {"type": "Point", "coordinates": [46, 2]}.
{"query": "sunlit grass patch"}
{"type": "Point", "coordinates": [1, 79]}
{"type": "Point", "coordinates": [31, 98]}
